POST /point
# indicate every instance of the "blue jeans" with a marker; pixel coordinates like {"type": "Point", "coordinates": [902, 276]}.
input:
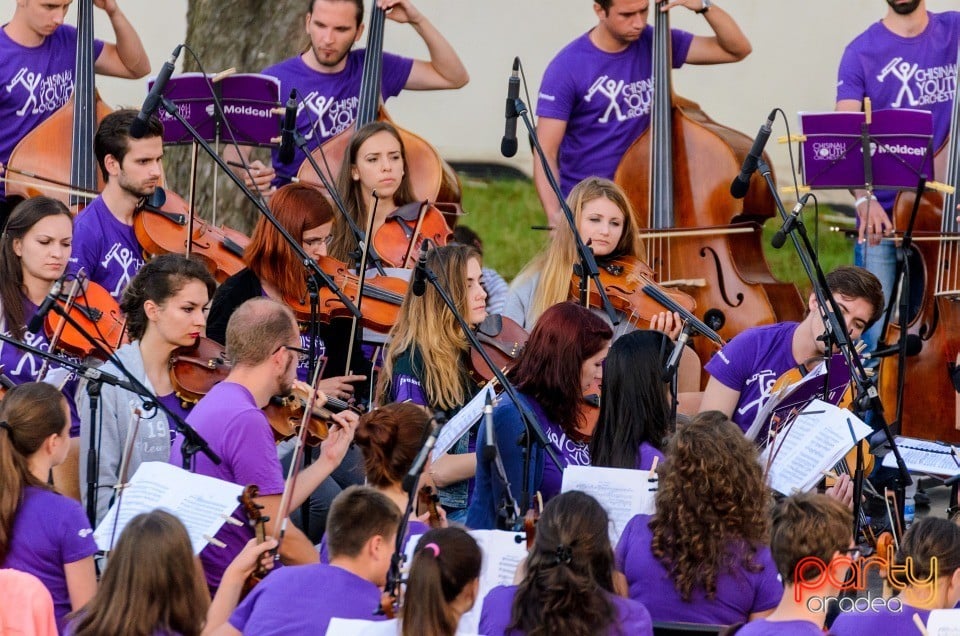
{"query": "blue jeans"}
{"type": "Point", "coordinates": [881, 261]}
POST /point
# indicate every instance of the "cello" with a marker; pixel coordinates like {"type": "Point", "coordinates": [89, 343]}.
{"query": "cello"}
{"type": "Point", "coordinates": [676, 176]}
{"type": "Point", "coordinates": [38, 161]}
{"type": "Point", "coordinates": [937, 321]}
{"type": "Point", "coordinates": [431, 177]}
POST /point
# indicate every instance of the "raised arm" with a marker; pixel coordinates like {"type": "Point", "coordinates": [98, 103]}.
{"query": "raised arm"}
{"type": "Point", "coordinates": [728, 44]}
{"type": "Point", "coordinates": [127, 58]}
{"type": "Point", "coordinates": [550, 132]}
{"type": "Point", "coordinates": [444, 69]}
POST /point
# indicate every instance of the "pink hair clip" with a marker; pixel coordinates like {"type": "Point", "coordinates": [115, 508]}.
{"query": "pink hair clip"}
{"type": "Point", "coordinates": [433, 547]}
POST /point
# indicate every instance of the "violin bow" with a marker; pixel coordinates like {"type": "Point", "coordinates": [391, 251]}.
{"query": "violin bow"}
{"type": "Point", "coordinates": [361, 282]}
{"type": "Point", "coordinates": [61, 325]}
{"type": "Point", "coordinates": [122, 474]}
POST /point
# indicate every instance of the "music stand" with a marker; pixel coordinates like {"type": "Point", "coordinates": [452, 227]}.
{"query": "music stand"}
{"type": "Point", "coordinates": [250, 107]}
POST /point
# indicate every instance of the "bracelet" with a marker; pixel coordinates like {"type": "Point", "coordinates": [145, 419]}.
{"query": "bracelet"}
{"type": "Point", "coordinates": [866, 197]}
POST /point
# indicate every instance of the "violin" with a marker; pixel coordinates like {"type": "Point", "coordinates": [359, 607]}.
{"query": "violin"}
{"type": "Point", "coordinates": [427, 498]}
{"type": "Point", "coordinates": [96, 312]}
{"type": "Point", "coordinates": [382, 297]}
{"type": "Point", "coordinates": [257, 521]}
{"type": "Point", "coordinates": [194, 370]}
{"type": "Point", "coordinates": [399, 239]}
{"type": "Point", "coordinates": [503, 340]}
{"type": "Point", "coordinates": [623, 280]}
{"type": "Point", "coordinates": [162, 224]}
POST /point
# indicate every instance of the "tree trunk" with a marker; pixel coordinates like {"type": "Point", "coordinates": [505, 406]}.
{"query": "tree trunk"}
{"type": "Point", "coordinates": [247, 35]}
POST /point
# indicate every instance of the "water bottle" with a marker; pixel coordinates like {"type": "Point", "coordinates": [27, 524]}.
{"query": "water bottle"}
{"type": "Point", "coordinates": [909, 507]}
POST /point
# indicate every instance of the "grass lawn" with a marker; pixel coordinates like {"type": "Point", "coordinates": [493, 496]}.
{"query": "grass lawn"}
{"type": "Point", "coordinates": [503, 211]}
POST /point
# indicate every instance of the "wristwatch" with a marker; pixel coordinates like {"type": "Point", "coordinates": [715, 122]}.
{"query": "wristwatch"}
{"type": "Point", "coordinates": [706, 6]}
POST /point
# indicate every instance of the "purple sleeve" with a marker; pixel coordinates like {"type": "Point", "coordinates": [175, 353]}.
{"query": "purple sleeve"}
{"type": "Point", "coordinates": [76, 535]}
{"type": "Point", "coordinates": [85, 252]}
{"type": "Point", "coordinates": [557, 92]}
{"type": "Point", "coordinates": [97, 48]}
{"type": "Point", "coordinates": [407, 388]}
{"type": "Point", "coordinates": [240, 616]}
{"type": "Point", "coordinates": [252, 453]}
{"type": "Point", "coordinates": [733, 364]}
{"type": "Point", "coordinates": [633, 617]}
{"type": "Point", "coordinates": [396, 72]}
{"type": "Point", "coordinates": [850, 83]}
{"type": "Point", "coordinates": [623, 545]}
{"type": "Point", "coordinates": [768, 587]}
{"type": "Point", "coordinates": [680, 41]}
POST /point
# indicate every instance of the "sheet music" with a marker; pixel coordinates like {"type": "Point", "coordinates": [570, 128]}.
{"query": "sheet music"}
{"type": "Point", "coordinates": [814, 442]}
{"type": "Point", "coordinates": [200, 502]}
{"type": "Point", "coordinates": [462, 421]}
{"type": "Point", "coordinates": [923, 456]}
{"type": "Point", "coordinates": [502, 555]}
{"type": "Point", "coordinates": [622, 492]}
{"type": "Point", "coordinates": [943, 622]}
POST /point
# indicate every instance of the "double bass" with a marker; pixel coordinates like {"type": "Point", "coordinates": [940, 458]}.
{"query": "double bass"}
{"type": "Point", "coordinates": [431, 177]}
{"type": "Point", "coordinates": [937, 320]}
{"type": "Point", "coordinates": [677, 176]}
{"type": "Point", "coordinates": [38, 164]}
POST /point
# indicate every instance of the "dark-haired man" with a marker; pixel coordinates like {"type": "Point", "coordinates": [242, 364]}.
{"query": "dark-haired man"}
{"type": "Point", "coordinates": [596, 93]}
{"type": "Point", "coordinates": [104, 242]}
{"type": "Point", "coordinates": [745, 370]}
{"type": "Point", "coordinates": [327, 75]}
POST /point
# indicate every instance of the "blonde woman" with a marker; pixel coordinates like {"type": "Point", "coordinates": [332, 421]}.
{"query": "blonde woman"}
{"type": "Point", "coordinates": [425, 360]}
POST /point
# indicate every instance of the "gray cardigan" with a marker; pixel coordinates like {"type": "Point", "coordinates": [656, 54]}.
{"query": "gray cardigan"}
{"type": "Point", "coordinates": [116, 413]}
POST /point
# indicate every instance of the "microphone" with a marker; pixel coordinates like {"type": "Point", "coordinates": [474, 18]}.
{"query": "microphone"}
{"type": "Point", "coordinates": [508, 145]}
{"type": "Point", "coordinates": [738, 188]}
{"type": "Point", "coordinates": [914, 346]}
{"type": "Point", "coordinates": [410, 479]}
{"type": "Point", "coordinates": [285, 155]}
{"type": "Point", "coordinates": [780, 236]}
{"type": "Point", "coordinates": [419, 286]}
{"type": "Point", "coordinates": [139, 126]}
{"type": "Point", "coordinates": [490, 446]}
{"type": "Point", "coordinates": [36, 323]}
{"type": "Point", "coordinates": [714, 318]}
{"type": "Point", "coordinates": [674, 360]}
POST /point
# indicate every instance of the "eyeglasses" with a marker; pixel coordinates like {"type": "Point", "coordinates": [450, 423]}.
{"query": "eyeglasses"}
{"type": "Point", "coordinates": [302, 354]}
{"type": "Point", "coordinates": [326, 240]}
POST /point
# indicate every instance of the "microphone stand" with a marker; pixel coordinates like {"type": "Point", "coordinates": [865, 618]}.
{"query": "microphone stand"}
{"type": "Point", "coordinates": [588, 264]}
{"type": "Point", "coordinates": [508, 511]}
{"type": "Point", "coordinates": [867, 397]}
{"type": "Point", "coordinates": [534, 431]}
{"type": "Point", "coordinates": [311, 265]}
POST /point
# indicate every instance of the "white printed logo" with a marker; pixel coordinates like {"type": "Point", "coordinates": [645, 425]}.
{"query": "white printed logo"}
{"type": "Point", "coordinates": [44, 94]}
{"type": "Point", "coordinates": [626, 101]}
{"type": "Point", "coordinates": [920, 86]}
{"type": "Point", "coordinates": [86, 532]}
{"type": "Point", "coordinates": [127, 261]}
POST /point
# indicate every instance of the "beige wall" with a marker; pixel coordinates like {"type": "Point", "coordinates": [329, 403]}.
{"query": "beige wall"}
{"type": "Point", "coordinates": [796, 48]}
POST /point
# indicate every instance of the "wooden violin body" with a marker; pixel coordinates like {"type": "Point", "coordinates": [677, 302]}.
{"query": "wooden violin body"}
{"type": "Point", "coordinates": [162, 225]}
{"type": "Point", "coordinates": [399, 240]}
{"type": "Point", "coordinates": [97, 313]}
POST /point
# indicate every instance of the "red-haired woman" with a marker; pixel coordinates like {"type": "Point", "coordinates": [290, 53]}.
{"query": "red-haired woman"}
{"type": "Point", "coordinates": [562, 358]}
{"type": "Point", "coordinates": [274, 269]}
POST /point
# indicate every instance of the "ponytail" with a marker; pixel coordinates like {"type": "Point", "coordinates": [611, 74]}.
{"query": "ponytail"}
{"type": "Point", "coordinates": [29, 414]}
{"type": "Point", "coordinates": [445, 561]}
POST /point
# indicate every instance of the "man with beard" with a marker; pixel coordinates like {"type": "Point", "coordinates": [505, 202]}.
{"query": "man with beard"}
{"type": "Point", "coordinates": [906, 60]}
{"type": "Point", "coordinates": [263, 342]}
{"type": "Point", "coordinates": [104, 242]}
{"type": "Point", "coordinates": [596, 93]}
{"type": "Point", "coordinates": [327, 76]}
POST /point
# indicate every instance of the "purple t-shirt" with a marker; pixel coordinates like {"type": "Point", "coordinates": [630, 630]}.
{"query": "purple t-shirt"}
{"type": "Point", "coordinates": [632, 617]}
{"type": "Point", "coordinates": [570, 452]}
{"type": "Point", "coordinates": [22, 366]}
{"type": "Point", "coordinates": [763, 627]}
{"type": "Point", "coordinates": [740, 592]}
{"type": "Point", "coordinates": [882, 621]}
{"type": "Point", "coordinates": [751, 364]}
{"type": "Point", "coordinates": [900, 72]}
{"type": "Point", "coordinates": [605, 98]}
{"type": "Point", "coordinates": [39, 80]}
{"type": "Point", "coordinates": [172, 402]}
{"type": "Point", "coordinates": [332, 592]}
{"type": "Point", "coordinates": [645, 455]}
{"type": "Point", "coordinates": [49, 531]}
{"type": "Point", "coordinates": [228, 419]}
{"type": "Point", "coordinates": [329, 101]}
{"type": "Point", "coordinates": [105, 247]}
